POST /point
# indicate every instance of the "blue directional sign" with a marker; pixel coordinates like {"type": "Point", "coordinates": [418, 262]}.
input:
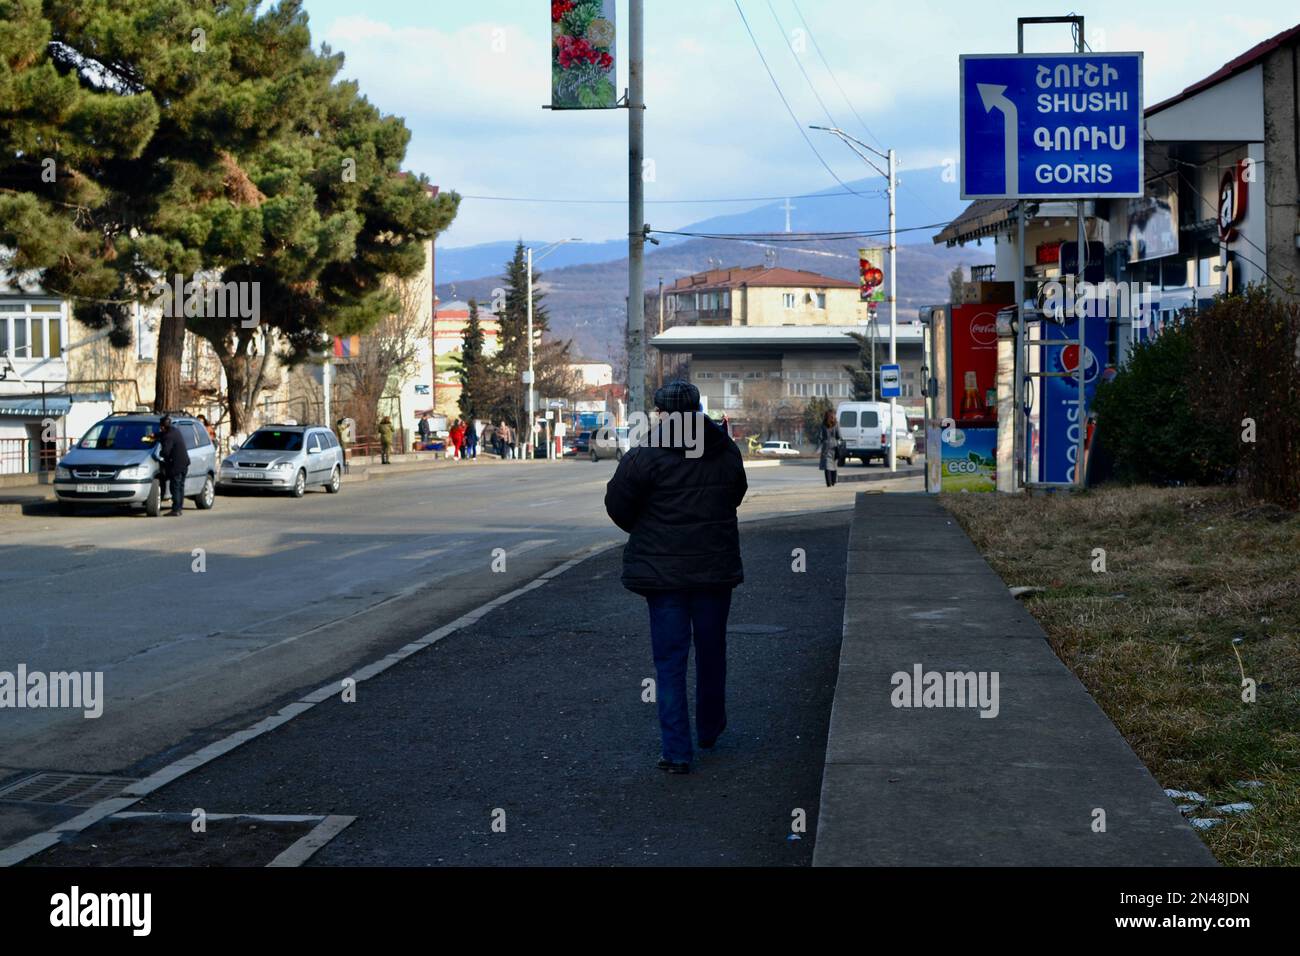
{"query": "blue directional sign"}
{"type": "Point", "coordinates": [1052, 126]}
{"type": "Point", "coordinates": [891, 385]}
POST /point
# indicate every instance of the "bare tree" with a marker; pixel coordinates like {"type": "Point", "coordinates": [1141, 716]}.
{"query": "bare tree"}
{"type": "Point", "coordinates": [391, 350]}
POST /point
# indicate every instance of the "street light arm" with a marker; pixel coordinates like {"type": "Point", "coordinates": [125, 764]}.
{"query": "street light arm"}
{"type": "Point", "coordinates": [853, 143]}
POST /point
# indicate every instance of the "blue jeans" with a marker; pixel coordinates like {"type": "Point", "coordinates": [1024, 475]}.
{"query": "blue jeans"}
{"type": "Point", "coordinates": [674, 617]}
{"type": "Point", "coordinates": [177, 485]}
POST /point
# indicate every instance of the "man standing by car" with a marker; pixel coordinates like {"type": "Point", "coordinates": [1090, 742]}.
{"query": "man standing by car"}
{"type": "Point", "coordinates": [677, 496]}
{"type": "Point", "coordinates": [174, 463]}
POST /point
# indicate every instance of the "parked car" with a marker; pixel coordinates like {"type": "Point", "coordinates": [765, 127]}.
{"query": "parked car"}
{"type": "Point", "coordinates": [866, 437]}
{"type": "Point", "coordinates": [778, 449]}
{"type": "Point", "coordinates": [609, 442]}
{"type": "Point", "coordinates": [114, 464]}
{"type": "Point", "coordinates": [288, 458]}
{"type": "Point", "coordinates": [582, 443]}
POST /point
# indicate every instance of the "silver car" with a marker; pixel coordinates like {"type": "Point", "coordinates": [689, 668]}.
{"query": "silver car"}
{"type": "Point", "coordinates": [608, 442]}
{"type": "Point", "coordinates": [288, 458]}
{"type": "Point", "coordinates": [113, 464]}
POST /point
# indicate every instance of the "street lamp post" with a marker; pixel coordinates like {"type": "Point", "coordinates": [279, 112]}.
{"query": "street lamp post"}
{"type": "Point", "coordinates": [891, 174]}
{"type": "Point", "coordinates": [529, 376]}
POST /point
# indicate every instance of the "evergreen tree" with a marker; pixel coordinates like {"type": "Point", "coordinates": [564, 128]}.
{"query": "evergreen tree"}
{"type": "Point", "coordinates": [470, 365]}
{"type": "Point", "coordinates": [863, 379]}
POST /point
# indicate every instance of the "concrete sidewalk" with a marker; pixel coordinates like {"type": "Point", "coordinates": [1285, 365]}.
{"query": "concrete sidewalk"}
{"type": "Point", "coordinates": [941, 785]}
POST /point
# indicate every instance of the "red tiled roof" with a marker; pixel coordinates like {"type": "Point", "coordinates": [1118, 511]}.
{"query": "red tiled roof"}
{"type": "Point", "coordinates": [758, 276]}
{"type": "Point", "coordinates": [1231, 68]}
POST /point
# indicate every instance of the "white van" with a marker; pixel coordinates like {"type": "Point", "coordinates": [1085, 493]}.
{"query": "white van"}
{"type": "Point", "coordinates": [865, 438]}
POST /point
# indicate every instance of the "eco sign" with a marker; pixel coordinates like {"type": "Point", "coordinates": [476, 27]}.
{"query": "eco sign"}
{"type": "Point", "coordinates": [1052, 126]}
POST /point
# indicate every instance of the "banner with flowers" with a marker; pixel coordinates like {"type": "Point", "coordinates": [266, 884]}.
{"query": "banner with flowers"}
{"type": "Point", "coordinates": [582, 55]}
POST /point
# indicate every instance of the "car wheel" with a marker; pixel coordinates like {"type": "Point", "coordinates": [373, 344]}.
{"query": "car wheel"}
{"type": "Point", "coordinates": [204, 499]}
{"type": "Point", "coordinates": [153, 503]}
{"type": "Point", "coordinates": [336, 482]}
{"type": "Point", "coordinates": [618, 456]}
{"type": "Point", "coordinates": [300, 485]}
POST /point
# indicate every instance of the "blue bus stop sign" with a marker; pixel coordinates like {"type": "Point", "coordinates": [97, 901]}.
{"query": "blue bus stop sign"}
{"type": "Point", "coordinates": [1052, 126]}
{"type": "Point", "coordinates": [891, 385]}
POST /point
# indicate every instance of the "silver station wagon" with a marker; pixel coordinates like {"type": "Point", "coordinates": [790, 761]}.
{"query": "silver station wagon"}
{"type": "Point", "coordinates": [288, 458]}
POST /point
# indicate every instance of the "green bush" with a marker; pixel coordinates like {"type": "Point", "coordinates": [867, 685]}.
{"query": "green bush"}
{"type": "Point", "coordinates": [1148, 424]}
{"type": "Point", "coordinates": [1244, 379]}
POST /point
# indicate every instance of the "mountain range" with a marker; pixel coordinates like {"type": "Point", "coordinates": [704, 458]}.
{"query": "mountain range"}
{"type": "Point", "coordinates": [585, 284]}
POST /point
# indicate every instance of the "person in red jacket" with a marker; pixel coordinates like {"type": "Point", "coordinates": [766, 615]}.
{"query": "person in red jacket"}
{"type": "Point", "coordinates": [458, 437]}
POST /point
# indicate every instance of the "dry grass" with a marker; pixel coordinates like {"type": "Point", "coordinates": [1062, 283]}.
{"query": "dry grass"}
{"type": "Point", "coordinates": [1194, 578]}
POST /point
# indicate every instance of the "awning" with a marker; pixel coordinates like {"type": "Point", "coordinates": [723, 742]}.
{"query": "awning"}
{"type": "Point", "coordinates": [38, 407]}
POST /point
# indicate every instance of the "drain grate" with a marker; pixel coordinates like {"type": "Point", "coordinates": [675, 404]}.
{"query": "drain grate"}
{"type": "Point", "coordinates": [64, 789]}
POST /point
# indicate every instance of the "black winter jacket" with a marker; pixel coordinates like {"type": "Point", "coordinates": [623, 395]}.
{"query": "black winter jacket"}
{"type": "Point", "coordinates": [681, 515]}
{"type": "Point", "coordinates": [173, 455]}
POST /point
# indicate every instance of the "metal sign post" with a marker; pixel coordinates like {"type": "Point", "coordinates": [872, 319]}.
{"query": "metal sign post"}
{"type": "Point", "coordinates": [1049, 127]}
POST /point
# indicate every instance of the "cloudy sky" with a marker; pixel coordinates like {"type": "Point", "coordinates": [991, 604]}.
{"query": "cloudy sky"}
{"type": "Point", "coordinates": [471, 78]}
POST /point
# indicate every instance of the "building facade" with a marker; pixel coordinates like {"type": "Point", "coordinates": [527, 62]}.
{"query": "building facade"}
{"type": "Point", "coordinates": [763, 296]}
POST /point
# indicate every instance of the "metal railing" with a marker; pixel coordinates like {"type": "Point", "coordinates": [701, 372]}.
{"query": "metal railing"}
{"type": "Point", "coordinates": [23, 456]}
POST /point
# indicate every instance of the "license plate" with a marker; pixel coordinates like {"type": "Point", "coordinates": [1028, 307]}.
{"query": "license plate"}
{"type": "Point", "coordinates": [92, 489]}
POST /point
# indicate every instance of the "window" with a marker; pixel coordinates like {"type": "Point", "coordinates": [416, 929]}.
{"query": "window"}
{"type": "Point", "coordinates": [190, 434]}
{"type": "Point", "coordinates": [849, 419]}
{"type": "Point", "coordinates": [789, 298]}
{"type": "Point", "coordinates": [704, 376]}
{"type": "Point", "coordinates": [753, 375]}
{"type": "Point", "coordinates": [269, 440]}
{"type": "Point", "coordinates": [313, 443]}
{"type": "Point", "coordinates": [821, 300]}
{"type": "Point", "coordinates": [31, 330]}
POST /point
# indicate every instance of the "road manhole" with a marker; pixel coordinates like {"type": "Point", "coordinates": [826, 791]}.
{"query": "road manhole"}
{"type": "Point", "coordinates": [64, 789]}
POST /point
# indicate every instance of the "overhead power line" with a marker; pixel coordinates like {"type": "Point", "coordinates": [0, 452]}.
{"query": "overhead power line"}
{"type": "Point", "coordinates": [837, 194]}
{"type": "Point", "coordinates": [779, 92]}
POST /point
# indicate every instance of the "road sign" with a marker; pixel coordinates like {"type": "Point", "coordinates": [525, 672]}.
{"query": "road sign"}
{"type": "Point", "coordinates": [1052, 126]}
{"type": "Point", "coordinates": [890, 382]}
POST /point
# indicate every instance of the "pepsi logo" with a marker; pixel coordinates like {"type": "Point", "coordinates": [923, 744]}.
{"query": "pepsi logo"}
{"type": "Point", "coordinates": [1068, 359]}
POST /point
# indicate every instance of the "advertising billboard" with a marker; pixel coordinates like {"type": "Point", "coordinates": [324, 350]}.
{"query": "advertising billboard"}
{"type": "Point", "coordinates": [973, 391]}
{"type": "Point", "coordinates": [969, 460]}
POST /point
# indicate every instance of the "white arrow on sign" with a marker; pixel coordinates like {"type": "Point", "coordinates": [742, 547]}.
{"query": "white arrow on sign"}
{"type": "Point", "coordinates": [994, 97]}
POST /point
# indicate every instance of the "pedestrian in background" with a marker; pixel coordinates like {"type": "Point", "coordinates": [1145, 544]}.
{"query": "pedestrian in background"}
{"type": "Point", "coordinates": [174, 463]}
{"type": "Point", "coordinates": [471, 440]}
{"type": "Point", "coordinates": [457, 438]}
{"type": "Point", "coordinates": [683, 556]}
{"type": "Point", "coordinates": [828, 443]}
{"type": "Point", "coordinates": [386, 440]}
{"type": "Point", "coordinates": [423, 429]}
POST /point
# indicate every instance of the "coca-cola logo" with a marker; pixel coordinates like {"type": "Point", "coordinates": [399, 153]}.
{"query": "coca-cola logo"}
{"type": "Point", "coordinates": [984, 330]}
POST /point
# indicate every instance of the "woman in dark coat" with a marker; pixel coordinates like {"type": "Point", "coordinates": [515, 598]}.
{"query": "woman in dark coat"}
{"type": "Point", "coordinates": [828, 443]}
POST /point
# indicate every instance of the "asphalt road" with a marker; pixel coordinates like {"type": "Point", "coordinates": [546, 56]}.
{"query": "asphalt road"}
{"type": "Point", "coordinates": [536, 713]}
{"type": "Point", "coordinates": [291, 594]}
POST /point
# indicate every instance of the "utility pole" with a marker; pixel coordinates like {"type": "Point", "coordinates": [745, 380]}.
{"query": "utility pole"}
{"type": "Point", "coordinates": [636, 209]}
{"type": "Point", "coordinates": [661, 330]}
{"type": "Point", "coordinates": [893, 302]}
{"type": "Point", "coordinates": [892, 175]}
{"type": "Point", "coordinates": [529, 376]}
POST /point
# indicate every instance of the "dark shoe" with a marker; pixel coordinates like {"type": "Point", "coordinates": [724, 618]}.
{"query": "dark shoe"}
{"type": "Point", "coordinates": [174, 514]}
{"type": "Point", "coordinates": [667, 766]}
{"type": "Point", "coordinates": [710, 744]}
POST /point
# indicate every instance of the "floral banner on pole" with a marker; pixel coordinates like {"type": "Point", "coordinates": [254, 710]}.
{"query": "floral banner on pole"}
{"type": "Point", "coordinates": [582, 55]}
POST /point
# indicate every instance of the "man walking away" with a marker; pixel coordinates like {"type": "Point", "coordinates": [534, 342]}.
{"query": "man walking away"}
{"type": "Point", "coordinates": [677, 497]}
{"type": "Point", "coordinates": [423, 429]}
{"type": "Point", "coordinates": [174, 462]}
{"type": "Point", "coordinates": [386, 440]}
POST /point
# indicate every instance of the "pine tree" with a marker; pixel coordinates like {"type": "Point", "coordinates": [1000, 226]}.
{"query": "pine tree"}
{"type": "Point", "coordinates": [470, 365]}
{"type": "Point", "coordinates": [863, 378]}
